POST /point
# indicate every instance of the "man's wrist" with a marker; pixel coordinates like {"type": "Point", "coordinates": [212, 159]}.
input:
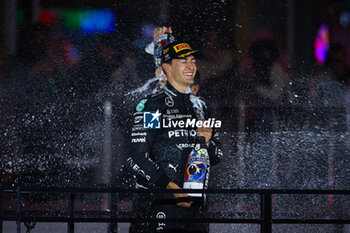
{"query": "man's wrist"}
{"type": "Point", "coordinates": [172, 185]}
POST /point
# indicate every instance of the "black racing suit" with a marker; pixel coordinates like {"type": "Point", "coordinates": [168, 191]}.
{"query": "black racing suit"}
{"type": "Point", "coordinates": [159, 156]}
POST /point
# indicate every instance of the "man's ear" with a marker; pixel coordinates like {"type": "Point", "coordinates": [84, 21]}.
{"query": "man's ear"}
{"type": "Point", "coordinates": [166, 67]}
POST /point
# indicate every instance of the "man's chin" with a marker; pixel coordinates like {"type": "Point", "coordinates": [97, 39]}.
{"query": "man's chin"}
{"type": "Point", "coordinates": [189, 80]}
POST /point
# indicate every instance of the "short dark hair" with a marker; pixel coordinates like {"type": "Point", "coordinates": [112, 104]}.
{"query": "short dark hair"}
{"type": "Point", "coordinates": [168, 62]}
{"type": "Point", "coordinates": [197, 78]}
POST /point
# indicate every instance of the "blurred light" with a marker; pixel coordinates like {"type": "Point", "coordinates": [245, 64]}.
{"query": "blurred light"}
{"type": "Point", "coordinates": [344, 19]}
{"type": "Point", "coordinates": [91, 21]}
{"type": "Point", "coordinates": [147, 35]}
{"type": "Point", "coordinates": [20, 16]}
{"type": "Point", "coordinates": [147, 30]}
{"type": "Point", "coordinates": [47, 17]}
{"type": "Point", "coordinates": [70, 53]}
{"type": "Point", "coordinates": [321, 44]}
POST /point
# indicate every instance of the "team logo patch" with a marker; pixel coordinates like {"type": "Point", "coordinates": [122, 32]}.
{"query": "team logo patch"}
{"type": "Point", "coordinates": [165, 51]}
{"type": "Point", "coordinates": [182, 46]}
{"type": "Point", "coordinates": [141, 105]}
{"type": "Point", "coordinates": [169, 102]}
{"type": "Point", "coordinates": [151, 120]}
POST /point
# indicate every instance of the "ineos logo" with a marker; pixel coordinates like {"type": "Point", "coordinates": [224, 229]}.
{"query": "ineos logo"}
{"type": "Point", "coordinates": [169, 102]}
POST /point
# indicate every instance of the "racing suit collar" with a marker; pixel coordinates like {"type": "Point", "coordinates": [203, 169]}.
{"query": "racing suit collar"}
{"type": "Point", "coordinates": [172, 91]}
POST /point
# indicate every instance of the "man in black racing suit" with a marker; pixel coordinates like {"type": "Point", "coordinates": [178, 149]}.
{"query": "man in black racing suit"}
{"type": "Point", "coordinates": [158, 154]}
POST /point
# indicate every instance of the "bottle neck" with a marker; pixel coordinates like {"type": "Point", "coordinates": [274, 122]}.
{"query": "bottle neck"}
{"type": "Point", "coordinates": [201, 140]}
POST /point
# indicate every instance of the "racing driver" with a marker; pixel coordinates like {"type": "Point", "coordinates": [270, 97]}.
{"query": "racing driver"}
{"type": "Point", "coordinates": [161, 142]}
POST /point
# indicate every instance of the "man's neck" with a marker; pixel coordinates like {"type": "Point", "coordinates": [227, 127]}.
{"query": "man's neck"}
{"type": "Point", "coordinates": [180, 88]}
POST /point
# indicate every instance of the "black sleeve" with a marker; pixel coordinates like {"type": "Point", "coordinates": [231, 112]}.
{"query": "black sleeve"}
{"type": "Point", "coordinates": [214, 148]}
{"type": "Point", "coordinates": [141, 159]}
{"type": "Point", "coordinates": [214, 145]}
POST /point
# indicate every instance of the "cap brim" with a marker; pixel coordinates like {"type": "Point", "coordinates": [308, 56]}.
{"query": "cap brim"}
{"type": "Point", "coordinates": [187, 54]}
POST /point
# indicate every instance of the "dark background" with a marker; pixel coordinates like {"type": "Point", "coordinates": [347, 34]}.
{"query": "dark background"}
{"type": "Point", "coordinates": [52, 110]}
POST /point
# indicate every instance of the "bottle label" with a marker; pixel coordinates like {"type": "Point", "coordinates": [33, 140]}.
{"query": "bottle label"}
{"type": "Point", "coordinates": [196, 167]}
{"type": "Point", "coordinates": [196, 170]}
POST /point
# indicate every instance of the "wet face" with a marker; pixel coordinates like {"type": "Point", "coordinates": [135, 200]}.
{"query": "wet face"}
{"type": "Point", "coordinates": [181, 73]}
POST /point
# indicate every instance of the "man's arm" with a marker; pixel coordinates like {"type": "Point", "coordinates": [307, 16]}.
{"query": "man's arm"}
{"type": "Point", "coordinates": [214, 148]}
{"type": "Point", "coordinates": [212, 139]}
{"type": "Point", "coordinates": [140, 150]}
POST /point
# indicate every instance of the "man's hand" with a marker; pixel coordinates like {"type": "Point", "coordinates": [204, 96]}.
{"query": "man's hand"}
{"type": "Point", "coordinates": [160, 31]}
{"type": "Point", "coordinates": [172, 185]}
{"type": "Point", "coordinates": [205, 132]}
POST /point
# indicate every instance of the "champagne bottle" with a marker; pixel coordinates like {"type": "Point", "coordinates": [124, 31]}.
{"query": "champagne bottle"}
{"type": "Point", "coordinates": [197, 168]}
{"type": "Point", "coordinates": [156, 48]}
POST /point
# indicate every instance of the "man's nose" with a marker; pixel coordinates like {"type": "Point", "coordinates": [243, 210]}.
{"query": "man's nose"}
{"type": "Point", "coordinates": [191, 66]}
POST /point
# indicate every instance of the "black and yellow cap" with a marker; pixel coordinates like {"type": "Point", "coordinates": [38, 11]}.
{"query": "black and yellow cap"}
{"type": "Point", "coordinates": [177, 50]}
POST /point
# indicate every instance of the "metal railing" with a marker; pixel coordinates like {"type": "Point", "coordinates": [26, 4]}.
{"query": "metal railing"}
{"type": "Point", "coordinates": [265, 220]}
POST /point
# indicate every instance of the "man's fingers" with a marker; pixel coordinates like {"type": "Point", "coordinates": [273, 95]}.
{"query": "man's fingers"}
{"type": "Point", "coordinates": [164, 29]}
{"type": "Point", "coordinates": [156, 33]}
{"type": "Point", "coordinates": [182, 199]}
{"type": "Point", "coordinates": [205, 129]}
{"type": "Point", "coordinates": [160, 31]}
{"type": "Point", "coordinates": [185, 204]}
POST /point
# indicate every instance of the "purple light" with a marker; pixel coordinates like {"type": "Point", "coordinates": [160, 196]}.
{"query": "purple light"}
{"type": "Point", "coordinates": [321, 44]}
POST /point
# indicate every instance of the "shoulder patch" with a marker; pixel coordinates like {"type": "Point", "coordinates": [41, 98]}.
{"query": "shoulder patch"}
{"type": "Point", "coordinates": [140, 106]}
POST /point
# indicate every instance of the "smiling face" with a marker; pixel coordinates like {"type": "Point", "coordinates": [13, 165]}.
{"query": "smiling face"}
{"type": "Point", "coordinates": [181, 72]}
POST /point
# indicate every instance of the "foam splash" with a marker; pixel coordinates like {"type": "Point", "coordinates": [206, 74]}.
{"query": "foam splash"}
{"type": "Point", "coordinates": [145, 87]}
